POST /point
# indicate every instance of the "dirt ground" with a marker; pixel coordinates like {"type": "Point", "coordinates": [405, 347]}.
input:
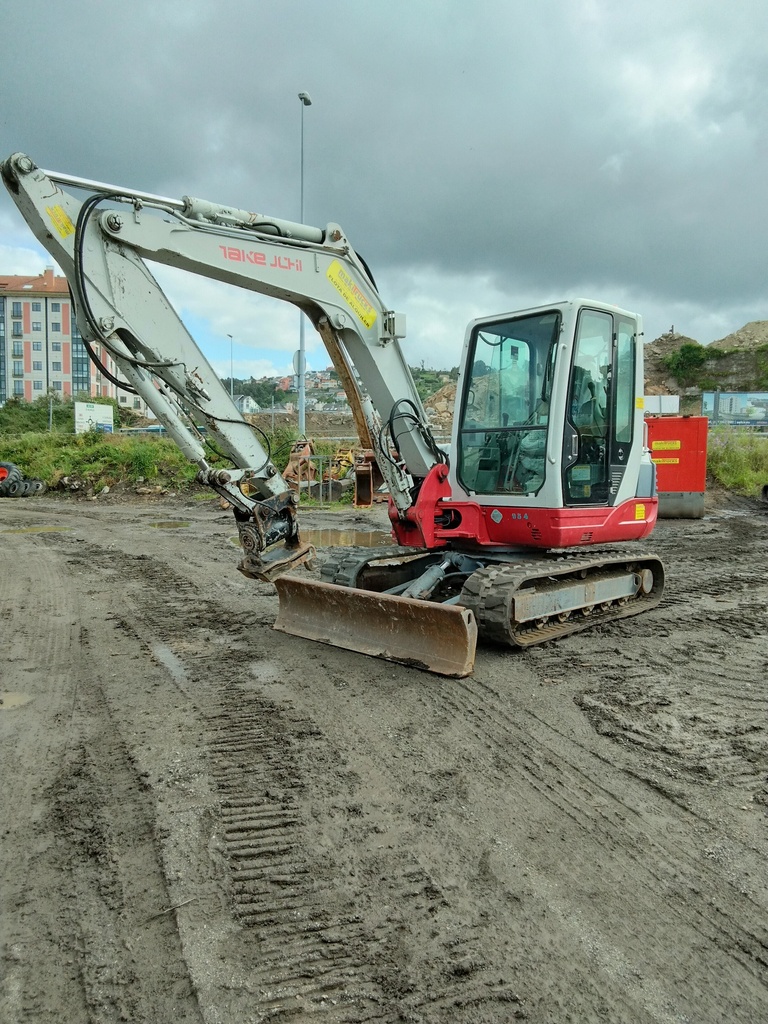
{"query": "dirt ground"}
{"type": "Point", "coordinates": [206, 820]}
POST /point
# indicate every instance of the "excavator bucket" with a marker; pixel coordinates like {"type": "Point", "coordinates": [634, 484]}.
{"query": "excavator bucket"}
{"type": "Point", "coordinates": [435, 637]}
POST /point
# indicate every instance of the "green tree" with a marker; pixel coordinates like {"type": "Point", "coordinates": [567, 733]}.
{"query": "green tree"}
{"type": "Point", "coordinates": [685, 364]}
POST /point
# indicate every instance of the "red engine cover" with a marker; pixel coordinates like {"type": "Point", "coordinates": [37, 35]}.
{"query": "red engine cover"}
{"type": "Point", "coordinates": [435, 521]}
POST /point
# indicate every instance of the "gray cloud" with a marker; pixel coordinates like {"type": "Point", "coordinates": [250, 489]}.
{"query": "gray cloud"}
{"type": "Point", "coordinates": [562, 147]}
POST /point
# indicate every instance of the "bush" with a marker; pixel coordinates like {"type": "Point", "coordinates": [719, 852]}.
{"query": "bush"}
{"type": "Point", "coordinates": [686, 362]}
{"type": "Point", "coordinates": [97, 459]}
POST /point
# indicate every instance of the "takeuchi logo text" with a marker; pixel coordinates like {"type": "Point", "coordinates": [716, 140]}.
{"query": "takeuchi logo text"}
{"type": "Point", "coordinates": [259, 259]}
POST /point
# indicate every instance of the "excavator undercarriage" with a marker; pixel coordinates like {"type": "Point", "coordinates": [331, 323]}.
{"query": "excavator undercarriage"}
{"type": "Point", "coordinates": [428, 608]}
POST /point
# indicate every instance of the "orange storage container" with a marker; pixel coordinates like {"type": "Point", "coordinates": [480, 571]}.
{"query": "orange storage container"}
{"type": "Point", "coordinates": [679, 449]}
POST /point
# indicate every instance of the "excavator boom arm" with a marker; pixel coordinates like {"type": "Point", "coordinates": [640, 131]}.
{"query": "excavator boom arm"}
{"type": "Point", "coordinates": [102, 253]}
{"type": "Point", "coordinates": [102, 242]}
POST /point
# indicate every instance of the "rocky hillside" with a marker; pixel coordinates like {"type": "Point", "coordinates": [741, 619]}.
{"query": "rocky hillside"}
{"type": "Point", "coordinates": [440, 408]}
{"type": "Point", "coordinates": [748, 338]}
{"type": "Point", "coordinates": [675, 364]}
{"type": "Point", "coordinates": [658, 378]}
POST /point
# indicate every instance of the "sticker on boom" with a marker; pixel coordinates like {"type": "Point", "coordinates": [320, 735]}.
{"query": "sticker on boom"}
{"type": "Point", "coordinates": [351, 294]}
{"type": "Point", "coordinates": [60, 220]}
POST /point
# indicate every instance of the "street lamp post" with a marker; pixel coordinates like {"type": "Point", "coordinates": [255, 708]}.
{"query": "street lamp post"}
{"type": "Point", "coordinates": [305, 102]}
{"type": "Point", "coordinates": [231, 367]}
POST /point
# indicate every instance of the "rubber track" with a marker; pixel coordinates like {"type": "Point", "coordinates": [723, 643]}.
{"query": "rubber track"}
{"type": "Point", "coordinates": [490, 591]}
{"type": "Point", "coordinates": [490, 594]}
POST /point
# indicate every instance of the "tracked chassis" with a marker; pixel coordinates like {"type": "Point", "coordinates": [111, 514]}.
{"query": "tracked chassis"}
{"type": "Point", "coordinates": [513, 599]}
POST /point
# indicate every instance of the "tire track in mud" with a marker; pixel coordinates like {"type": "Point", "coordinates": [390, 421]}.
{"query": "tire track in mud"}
{"type": "Point", "coordinates": [309, 921]}
{"type": "Point", "coordinates": [319, 941]}
{"type": "Point", "coordinates": [695, 705]}
{"type": "Point", "coordinates": [326, 941]}
{"type": "Point", "coordinates": [306, 957]}
{"type": "Point", "coordinates": [76, 943]}
{"type": "Point", "coordinates": [570, 778]}
{"type": "Point", "coordinates": [128, 955]}
{"type": "Point", "coordinates": [719, 556]}
{"type": "Point", "coordinates": [30, 758]}
{"type": "Point", "coordinates": [702, 719]}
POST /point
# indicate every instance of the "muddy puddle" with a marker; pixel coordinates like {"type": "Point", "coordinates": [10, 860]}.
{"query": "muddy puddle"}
{"type": "Point", "coordinates": [40, 529]}
{"type": "Point", "coordinates": [348, 538]}
{"type": "Point", "coordinates": [341, 538]}
{"type": "Point", "coordinates": [9, 701]}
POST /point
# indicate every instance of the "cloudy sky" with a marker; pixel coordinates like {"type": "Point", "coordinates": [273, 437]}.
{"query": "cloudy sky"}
{"type": "Point", "coordinates": [482, 157]}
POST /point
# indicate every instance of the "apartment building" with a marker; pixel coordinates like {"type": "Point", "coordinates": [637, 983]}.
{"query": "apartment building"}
{"type": "Point", "coordinates": [40, 345]}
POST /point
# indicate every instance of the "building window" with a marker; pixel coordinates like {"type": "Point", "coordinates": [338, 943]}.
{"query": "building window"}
{"type": "Point", "coordinates": [56, 367]}
{"type": "Point", "coordinates": [56, 325]}
{"type": "Point", "coordinates": [37, 346]}
{"type": "Point", "coordinates": [18, 387]}
{"type": "Point", "coordinates": [55, 346]}
{"type": "Point", "coordinates": [37, 385]}
{"type": "Point", "coordinates": [16, 309]}
{"type": "Point", "coordinates": [18, 351]}
{"type": "Point", "coordinates": [37, 365]}
{"type": "Point", "coordinates": [16, 331]}
{"type": "Point", "coordinates": [37, 307]}
{"type": "Point", "coordinates": [137, 403]}
{"type": "Point", "coordinates": [123, 399]}
{"type": "Point", "coordinates": [55, 307]}
{"type": "Point", "coordinates": [18, 368]}
{"type": "Point", "coordinates": [81, 366]}
{"type": "Point", "coordinates": [37, 325]}
{"type": "Point", "coordinates": [57, 385]}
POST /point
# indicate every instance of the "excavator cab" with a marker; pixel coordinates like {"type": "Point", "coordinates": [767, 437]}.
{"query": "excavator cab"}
{"type": "Point", "coordinates": [550, 418]}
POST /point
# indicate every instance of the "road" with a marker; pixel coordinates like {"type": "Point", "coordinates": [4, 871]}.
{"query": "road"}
{"type": "Point", "coordinates": [208, 821]}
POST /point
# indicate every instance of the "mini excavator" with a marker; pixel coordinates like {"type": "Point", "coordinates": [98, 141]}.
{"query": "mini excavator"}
{"type": "Point", "coordinates": [515, 533]}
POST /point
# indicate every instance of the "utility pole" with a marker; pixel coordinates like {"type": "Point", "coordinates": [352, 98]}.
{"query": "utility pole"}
{"type": "Point", "coordinates": [301, 372]}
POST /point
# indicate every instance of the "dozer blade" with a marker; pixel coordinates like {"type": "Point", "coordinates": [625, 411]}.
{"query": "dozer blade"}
{"type": "Point", "coordinates": [436, 637]}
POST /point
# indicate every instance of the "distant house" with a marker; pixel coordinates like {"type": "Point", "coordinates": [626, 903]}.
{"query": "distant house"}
{"type": "Point", "coordinates": [246, 405]}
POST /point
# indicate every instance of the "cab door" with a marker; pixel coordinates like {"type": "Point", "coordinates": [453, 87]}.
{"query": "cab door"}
{"type": "Point", "coordinates": [600, 408]}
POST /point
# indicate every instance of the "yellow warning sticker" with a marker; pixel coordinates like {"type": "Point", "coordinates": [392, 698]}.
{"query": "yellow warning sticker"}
{"type": "Point", "coordinates": [355, 299]}
{"type": "Point", "coordinates": [640, 402]}
{"type": "Point", "coordinates": [60, 220]}
{"type": "Point", "coordinates": [665, 446]}
{"type": "Point", "coordinates": [666, 462]}
{"type": "Point", "coordinates": [639, 511]}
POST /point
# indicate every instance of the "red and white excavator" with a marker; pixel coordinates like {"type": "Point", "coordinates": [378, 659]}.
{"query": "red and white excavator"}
{"type": "Point", "coordinates": [504, 537]}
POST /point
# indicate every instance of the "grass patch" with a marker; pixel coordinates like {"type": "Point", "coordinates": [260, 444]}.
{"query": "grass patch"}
{"type": "Point", "coordinates": [98, 460]}
{"type": "Point", "coordinates": [738, 459]}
